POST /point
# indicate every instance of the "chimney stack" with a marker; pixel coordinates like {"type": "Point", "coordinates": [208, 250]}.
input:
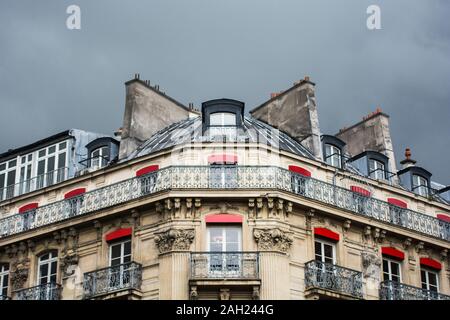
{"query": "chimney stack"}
{"type": "Point", "coordinates": [407, 162]}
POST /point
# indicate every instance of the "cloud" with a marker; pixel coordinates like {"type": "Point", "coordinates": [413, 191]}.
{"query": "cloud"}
{"type": "Point", "coordinates": [54, 78]}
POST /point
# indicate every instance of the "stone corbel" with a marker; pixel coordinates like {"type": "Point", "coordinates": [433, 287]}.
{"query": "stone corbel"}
{"type": "Point", "coordinates": [136, 216]}
{"type": "Point", "coordinates": [259, 207]}
{"type": "Point", "coordinates": [197, 205]}
{"type": "Point", "coordinates": [419, 247]}
{"type": "Point", "coordinates": [346, 225]}
{"type": "Point", "coordinates": [444, 255]}
{"type": "Point", "coordinates": [309, 216]}
{"type": "Point", "coordinates": [174, 240]}
{"type": "Point", "coordinates": [251, 208]}
{"type": "Point", "coordinates": [273, 239]}
{"type": "Point", "coordinates": [98, 228]}
{"type": "Point", "coordinates": [19, 276]}
{"type": "Point", "coordinates": [189, 208]}
{"type": "Point", "coordinates": [407, 243]}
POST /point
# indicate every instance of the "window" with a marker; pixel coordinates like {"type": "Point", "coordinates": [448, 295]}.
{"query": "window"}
{"type": "Point", "coordinates": [4, 280]}
{"type": "Point", "coordinates": [226, 239]}
{"type": "Point", "coordinates": [7, 179]}
{"type": "Point", "coordinates": [223, 124]}
{"type": "Point", "coordinates": [325, 252]}
{"type": "Point", "coordinates": [391, 270]}
{"type": "Point", "coordinates": [420, 185]}
{"type": "Point", "coordinates": [376, 169]}
{"type": "Point", "coordinates": [222, 119]}
{"type": "Point", "coordinates": [47, 268]}
{"type": "Point", "coordinates": [429, 280]}
{"type": "Point", "coordinates": [119, 261]}
{"type": "Point", "coordinates": [100, 157]}
{"type": "Point", "coordinates": [51, 165]}
{"type": "Point", "coordinates": [333, 155]}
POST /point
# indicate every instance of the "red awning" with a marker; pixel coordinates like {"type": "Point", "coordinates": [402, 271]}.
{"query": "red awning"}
{"type": "Point", "coordinates": [120, 233]}
{"type": "Point", "coordinates": [300, 170]}
{"type": "Point", "coordinates": [74, 193]}
{"type": "Point", "coordinates": [393, 253]}
{"type": "Point", "coordinates": [431, 263]}
{"type": "Point", "coordinates": [326, 233]}
{"type": "Point", "coordinates": [146, 170]}
{"type": "Point", "coordinates": [397, 202]}
{"type": "Point", "coordinates": [28, 207]}
{"type": "Point", "coordinates": [360, 190]}
{"type": "Point", "coordinates": [223, 218]}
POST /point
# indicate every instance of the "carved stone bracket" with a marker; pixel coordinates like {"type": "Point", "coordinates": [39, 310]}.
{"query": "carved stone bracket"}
{"type": "Point", "coordinates": [19, 276]}
{"type": "Point", "coordinates": [179, 208]}
{"type": "Point", "coordinates": [174, 240]}
{"type": "Point", "coordinates": [68, 264]}
{"type": "Point", "coordinates": [371, 264]}
{"type": "Point", "coordinates": [272, 240]}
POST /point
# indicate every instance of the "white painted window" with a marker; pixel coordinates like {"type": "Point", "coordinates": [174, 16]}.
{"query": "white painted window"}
{"type": "Point", "coordinates": [333, 155]}
{"type": "Point", "coordinates": [224, 238]}
{"type": "Point", "coordinates": [420, 185]}
{"type": "Point", "coordinates": [51, 164]}
{"type": "Point", "coordinates": [120, 253]}
{"type": "Point", "coordinates": [325, 251]}
{"type": "Point", "coordinates": [377, 169]}
{"type": "Point", "coordinates": [430, 280]}
{"type": "Point", "coordinates": [222, 119]}
{"type": "Point", "coordinates": [391, 270]}
{"type": "Point", "coordinates": [47, 268]}
{"type": "Point", "coordinates": [7, 179]}
{"type": "Point", "coordinates": [4, 279]}
{"type": "Point", "coordinates": [99, 157]}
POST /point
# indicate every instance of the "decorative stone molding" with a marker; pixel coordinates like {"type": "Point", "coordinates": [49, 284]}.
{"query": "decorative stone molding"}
{"type": "Point", "coordinates": [444, 254]}
{"type": "Point", "coordinates": [407, 243]}
{"type": "Point", "coordinates": [193, 294]}
{"type": "Point", "coordinates": [309, 215]}
{"type": "Point", "coordinates": [371, 264]}
{"type": "Point", "coordinates": [224, 294]}
{"type": "Point", "coordinates": [68, 264]}
{"type": "Point", "coordinates": [346, 225]}
{"type": "Point", "coordinates": [419, 247]}
{"type": "Point", "coordinates": [19, 276]}
{"type": "Point", "coordinates": [174, 240]}
{"type": "Point", "coordinates": [178, 208]}
{"type": "Point", "coordinates": [272, 240]}
{"type": "Point", "coordinates": [256, 294]}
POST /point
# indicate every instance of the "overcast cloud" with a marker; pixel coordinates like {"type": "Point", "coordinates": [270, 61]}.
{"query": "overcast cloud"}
{"type": "Point", "coordinates": [53, 78]}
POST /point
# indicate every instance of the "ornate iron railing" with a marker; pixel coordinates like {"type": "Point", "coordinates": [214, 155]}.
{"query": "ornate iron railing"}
{"type": "Point", "coordinates": [2, 297]}
{"type": "Point", "coordinates": [121, 277]}
{"type": "Point", "coordinates": [391, 290]}
{"type": "Point", "coordinates": [332, 277]}
{"type": "Point", "coordinates": [48, 291]}
{"type": "Point", "coordinates": [225, 265]}
{"type": "Point", "coordinates": [38, 182]}
{"type": "Point", "coordinates": [229, 177]}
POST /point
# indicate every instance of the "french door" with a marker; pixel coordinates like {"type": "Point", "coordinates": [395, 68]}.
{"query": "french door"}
{"type": "Point", "coordinates": [120, 258]}
{"type": "Point", "coordinates": [225, 245]}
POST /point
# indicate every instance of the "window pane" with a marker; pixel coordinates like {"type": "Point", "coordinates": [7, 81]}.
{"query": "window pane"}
{"type": "Point", "coordinates": [41, 153]}
{"type": "Point", "coordinates": [127, 248]}
{"type": "Point", "coordinates": [43, 270]}
{"type": "Point", "coordinates": [115, 251]}
{"type": "Point", "coordinates": [61, 160]}
{"type": "Point", "coordinates": [11, 177]}
{"type": "Point", "coordinates": [62, 145]}
{"type": "Point", "coordinates": [12, 164]}
{"type": "Point", "coordinates": [215, 119]}
{"type": "Point", "coordinates": [51, 150]}
{"type": "Point", "coordinates": [53, 267]}
{"type": "Point", "coordinates": [51, 164]}
{"type": "Point", "coordinates": [395, 269]}
{"type": "Point", "coordinates": [229, 119]}
{"type": "Point", "coordinates": [432, 278]}
{"type": "Point", "coordinates": [328, 251]}
{"type": "Point", "coordinates": [317, 248]}
{"type": "Point", "coordinates": [2, 166]}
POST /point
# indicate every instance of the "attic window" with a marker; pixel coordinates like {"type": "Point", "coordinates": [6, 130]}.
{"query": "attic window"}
{"type": "Point", "coordinates": [420, 185]}
{"type": "Point", "coordinates": [377, 169]}
{"type": "Point", "coordinates": [222, 119]}
{"type": "Point", "coordinates": [333, 155]}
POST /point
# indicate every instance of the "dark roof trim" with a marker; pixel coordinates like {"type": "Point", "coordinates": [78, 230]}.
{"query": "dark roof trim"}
{"type": "Point", "coordinates": [101, 141]}
{"type": "Point", "coordinates": [328, 139]}
{"type": "Point", "coordinates": [301, 82]}
{"type": "Point", "coordinates": [371, 155]}
{"type": "Point", "coordinates": [35, 145]}
{"type": "Point", "coordinates": [416, 171]}
{"type": "Point", "coordinates": [162, 94]}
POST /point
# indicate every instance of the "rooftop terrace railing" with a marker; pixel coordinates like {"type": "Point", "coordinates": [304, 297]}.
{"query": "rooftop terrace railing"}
{"type": "Point", "coordinates": [36, 183]}
{"type": "Point", "coordinates": [225, 177]}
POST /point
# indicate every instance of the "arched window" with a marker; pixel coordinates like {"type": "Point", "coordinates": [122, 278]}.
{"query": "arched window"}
{"type": "Point", "coordinates": [47, 267]}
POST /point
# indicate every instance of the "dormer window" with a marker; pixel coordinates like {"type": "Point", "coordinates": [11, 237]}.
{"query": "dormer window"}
{"type": "Point", "coordinates": [377, 169]}
{"type": "Point", "coordinates": [420, 185]}
{"type": "Point", "coordinates": [100, 157]}
{"type": "Point", "coordinates": [333, 150]}
{"type": "Point", "coordinates": [333, 155]}
{"type": "Point", "coordinates": [222, 119]}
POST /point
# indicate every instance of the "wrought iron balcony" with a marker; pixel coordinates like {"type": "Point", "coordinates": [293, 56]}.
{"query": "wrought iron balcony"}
{"type": "Point", "coordinates": [224, 265]}
{"type": "Point", "coordinates": [48, 291]}
{"type": "Point", "coordinates": [331, 277]}
{"type": "Point", "coordinates": [38, 182]}
{"type": "Point", "coordinates": [237, 177]}
{"type": "Point", "coordinates": [391, 290]}
{"type": "Point", "coordinates": [2, 297]}
{"type": "Point", "coordinates": [125, 276]}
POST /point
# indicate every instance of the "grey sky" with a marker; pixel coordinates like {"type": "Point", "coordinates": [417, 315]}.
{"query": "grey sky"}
{"type": "Point", "coordinates": [53, 78]}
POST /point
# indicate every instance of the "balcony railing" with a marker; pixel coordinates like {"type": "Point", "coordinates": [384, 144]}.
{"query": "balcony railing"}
{"type": "Point", "coordinates": [108, 280]}
{"type": "Point", "coordinates": [2, 297]}
{"type": "Point", "coordinates": [224, 265]}
{"type": "Point", "coordinates": [48, 291]}
{"type": "Point", "coordinates": [391, 290]}
{"type": "Point", "coordinates": [334, 278]}
{"type": "Point", "coordinates": [38, 182]}
{"type": "Point", "coordinates": [238, 177]}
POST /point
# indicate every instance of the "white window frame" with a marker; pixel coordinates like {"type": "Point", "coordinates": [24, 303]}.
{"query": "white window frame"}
{"type": "Point", "coordinates": [378, 171]}
{"type": "Point", "coordinates": [222, 118]}
{"type": "Point", "coordinates": [322, 249]}
{"type": "Point", "coordinates": [4, 271]}
{"type": "Point", "coordinates": [99, 161]}
{"type": "Point", "coordinates": [120, 243]}
{"type": "Point", "coordinates": [335, 155]}
{"type": "Point", "coordinates": [224, 242]}
{"type": "Point", "coordinates": [58, 152]}
{"type": "Point", "coordinates": [389, 271]}
{"type": "Point", "coordinates": [419, 187]}
{"type": "Point", "coordinates": [427, 279]}
{"type": "Point", "coordinates": [53, 257]}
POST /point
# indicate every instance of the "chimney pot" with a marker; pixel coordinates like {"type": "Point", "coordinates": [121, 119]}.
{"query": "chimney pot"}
{"type": "Point", "coordinates": [306, 78]}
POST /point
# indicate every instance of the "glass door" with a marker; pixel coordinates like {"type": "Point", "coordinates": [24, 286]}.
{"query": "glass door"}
{"type": "Point", "coordinates": [224, 245]}
{"type": "Point", "coordinates": [120, 258]}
